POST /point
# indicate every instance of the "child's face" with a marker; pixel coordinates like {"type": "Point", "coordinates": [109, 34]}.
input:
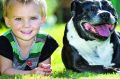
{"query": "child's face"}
{"type": "Point", "coordinates": [24, 20]}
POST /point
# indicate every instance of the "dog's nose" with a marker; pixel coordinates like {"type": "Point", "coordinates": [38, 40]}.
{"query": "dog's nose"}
{"type": "Point", "coordinates": [105, 16]}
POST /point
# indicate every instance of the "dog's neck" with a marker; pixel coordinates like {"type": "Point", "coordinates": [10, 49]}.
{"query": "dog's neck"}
{"type": "Point", "coordinates": [94, 52]}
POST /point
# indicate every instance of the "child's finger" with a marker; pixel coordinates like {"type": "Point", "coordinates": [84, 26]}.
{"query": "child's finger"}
{"type": "Point", "coordinates": [39, 71]}
{"type": "Point", "coordinates": [42, 65]}
{"type": "Point", "coordinates": [43, 72]}
{"type": "Point", "coordinates": [47, 70]}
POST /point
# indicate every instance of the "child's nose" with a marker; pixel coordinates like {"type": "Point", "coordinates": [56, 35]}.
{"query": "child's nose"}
{"type": "Point", "coordinates": [27, 24]}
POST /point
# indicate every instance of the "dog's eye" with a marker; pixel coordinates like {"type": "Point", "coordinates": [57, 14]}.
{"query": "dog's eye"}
{"type": "Point", "coordinates": [108, 8]}
{"type": "Point", "coordinates": [104, 2]}
{"type": "Point", "coordinates": [94, 8]}
{"type": "Point", "coordinates": [112, 10]}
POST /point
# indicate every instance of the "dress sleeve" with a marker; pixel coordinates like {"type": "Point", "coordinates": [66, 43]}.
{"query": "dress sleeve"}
{"type": "Point", "coordinates": [6, 48]}
{"type": "Point", "coordinates": [48, 49]}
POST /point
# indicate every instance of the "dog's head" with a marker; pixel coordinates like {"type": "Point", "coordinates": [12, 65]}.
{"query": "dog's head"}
{"type": "Point", "coordinates": [94, 19]}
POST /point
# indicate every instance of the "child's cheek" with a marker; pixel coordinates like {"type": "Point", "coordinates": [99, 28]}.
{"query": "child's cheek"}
{"type": "Point", "coordinates": [18, 24]}
{"type": "Point", "coordinates": [35, 23]}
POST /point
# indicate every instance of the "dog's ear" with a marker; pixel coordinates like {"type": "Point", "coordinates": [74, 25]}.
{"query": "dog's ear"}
{"type": "Point", "coordinates": [75, 7]}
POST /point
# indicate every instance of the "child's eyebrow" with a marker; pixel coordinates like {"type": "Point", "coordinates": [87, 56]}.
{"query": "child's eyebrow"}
{"type": "Point", "coordinates": [34, 16]}
{"type": "Point", "coordinates": [25, 16]}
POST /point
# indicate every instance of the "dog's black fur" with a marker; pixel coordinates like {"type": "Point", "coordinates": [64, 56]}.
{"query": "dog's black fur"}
{"type": "Point", "coordinates": [97, 13]}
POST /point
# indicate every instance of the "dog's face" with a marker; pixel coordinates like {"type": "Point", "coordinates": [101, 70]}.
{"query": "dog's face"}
{"type": "Point", "coordinates": [96, 19]}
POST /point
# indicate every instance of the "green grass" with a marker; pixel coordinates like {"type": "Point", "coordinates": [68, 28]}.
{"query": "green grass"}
{"type": "Point", "coordinates": [59, 71]}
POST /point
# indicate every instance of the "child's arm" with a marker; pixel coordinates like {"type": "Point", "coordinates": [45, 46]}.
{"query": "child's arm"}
{"type": "Point", "coordinates": [6, 68]}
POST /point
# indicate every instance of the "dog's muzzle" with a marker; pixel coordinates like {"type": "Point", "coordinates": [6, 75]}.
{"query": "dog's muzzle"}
{"type": "Point", "coordinates": [101, 25]}
{"type": "Point", "coordinates": [103, 30]}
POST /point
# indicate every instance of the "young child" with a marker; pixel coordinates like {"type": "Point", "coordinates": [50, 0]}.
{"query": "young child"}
{"type": "Point", "coordinates": [22, 49]}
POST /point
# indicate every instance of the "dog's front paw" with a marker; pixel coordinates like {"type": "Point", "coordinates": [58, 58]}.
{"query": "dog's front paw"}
{"type": "Point", "coordinates": [117, 70]}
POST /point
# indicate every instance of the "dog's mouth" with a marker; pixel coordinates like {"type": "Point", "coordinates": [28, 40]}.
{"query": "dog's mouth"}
{"type": "Point", "coordinates": [103, 30]}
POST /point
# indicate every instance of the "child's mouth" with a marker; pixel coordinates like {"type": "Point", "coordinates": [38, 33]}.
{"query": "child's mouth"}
{"type": "Point", "coordinates": [26, 33]}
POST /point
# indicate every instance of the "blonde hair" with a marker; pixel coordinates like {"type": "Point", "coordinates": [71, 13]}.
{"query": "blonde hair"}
{"type": "Point", "coordinates": [42, 4]}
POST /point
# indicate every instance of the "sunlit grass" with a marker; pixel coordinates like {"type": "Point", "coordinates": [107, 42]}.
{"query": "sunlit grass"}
{"type": "Point", "coordinates": [118, 27]}
{"type": "Point", "coordinates": [2, 30]}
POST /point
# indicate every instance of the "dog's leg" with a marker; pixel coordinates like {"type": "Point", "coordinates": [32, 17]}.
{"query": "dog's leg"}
{"type": "Point", "coordinates": [96, 69]}
{"type": "Point", "coordinates": [66, 57]}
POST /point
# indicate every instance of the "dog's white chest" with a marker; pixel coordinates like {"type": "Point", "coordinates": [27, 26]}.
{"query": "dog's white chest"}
{"type": "Point", "coordinates": [94, 52]}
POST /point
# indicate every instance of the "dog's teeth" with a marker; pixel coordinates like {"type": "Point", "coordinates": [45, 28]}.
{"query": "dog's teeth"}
{"type": "Point", "coordinates": [93, 29]}
{"type": "Point", "coordinates": [87, 26]}
{"type": "Point", "coordinates": [111, 27]}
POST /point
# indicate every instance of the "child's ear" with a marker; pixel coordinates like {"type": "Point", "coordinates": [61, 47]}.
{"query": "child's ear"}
{"type": "Point", "coordinates": [43, 19]}
{"type": "Point", "coordinates": [7, 21]}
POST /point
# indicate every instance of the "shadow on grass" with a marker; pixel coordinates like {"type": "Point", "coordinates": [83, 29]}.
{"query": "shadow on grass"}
{"type": "Point", "coordinates": [72, 75]}
{"type": "Point", "coordinates": [10, 77]}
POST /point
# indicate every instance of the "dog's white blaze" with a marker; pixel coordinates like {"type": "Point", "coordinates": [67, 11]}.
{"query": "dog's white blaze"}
{"type": "Point", "coordinates": [94, 52]}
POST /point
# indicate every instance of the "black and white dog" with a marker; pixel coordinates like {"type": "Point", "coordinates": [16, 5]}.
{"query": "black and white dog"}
{"type": "Point", "coordinates": [90, 42]}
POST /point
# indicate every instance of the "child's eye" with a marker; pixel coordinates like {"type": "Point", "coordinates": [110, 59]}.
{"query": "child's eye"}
{"type": "Point", "coordinates": [18, 19]}
{"type": "Point", "coordinates": [34, 18]}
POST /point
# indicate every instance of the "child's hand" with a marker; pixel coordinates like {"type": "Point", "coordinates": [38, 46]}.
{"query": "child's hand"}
{"type": "Point", "coordinates": [46, 69]}
{"type": "Point", "coordinates": [43, 69]}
